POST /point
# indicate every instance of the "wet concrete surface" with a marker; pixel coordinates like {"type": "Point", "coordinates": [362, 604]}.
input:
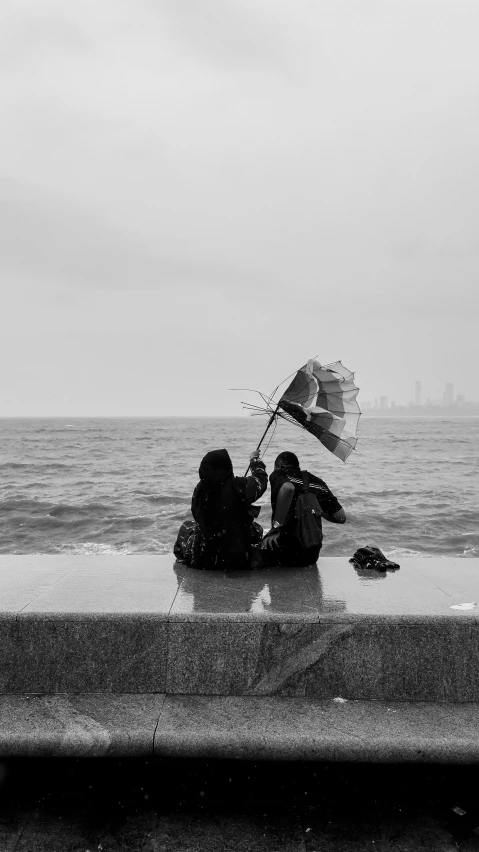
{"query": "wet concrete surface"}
{"type": "Point", "coordinates": [105, 805]}
{"type": "Point", "coordinates": [44, 586]}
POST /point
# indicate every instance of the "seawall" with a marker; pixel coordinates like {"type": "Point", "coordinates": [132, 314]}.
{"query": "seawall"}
{"type": "Point", "coordinates": [134, 655]}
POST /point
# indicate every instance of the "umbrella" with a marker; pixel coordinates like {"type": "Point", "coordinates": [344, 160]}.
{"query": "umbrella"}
{"type": "Point", "coordinates": [322, 400]}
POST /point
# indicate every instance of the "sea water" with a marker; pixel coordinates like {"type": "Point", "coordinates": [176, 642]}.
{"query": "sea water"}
{"type": "Point", "coordinates": [107, 486]}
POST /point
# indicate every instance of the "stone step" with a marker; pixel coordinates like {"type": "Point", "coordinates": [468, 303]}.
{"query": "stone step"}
{"type": "Point", "coordinates": [243, 728]}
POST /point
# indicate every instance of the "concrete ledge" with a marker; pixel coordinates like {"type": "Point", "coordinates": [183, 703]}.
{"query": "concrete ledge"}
{"type": "Point", "coordinates": [78, 725]}
{"type": "Point", "coordinates": [239, 728]}
{"type": "Point", "coordinates": [302, 729]}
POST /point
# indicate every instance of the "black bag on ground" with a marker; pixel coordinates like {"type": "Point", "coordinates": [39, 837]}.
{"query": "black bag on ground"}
{"type": "Point", "coordinates": [372, 557]}
{"type": "Point", "coordinates": [307, 514]}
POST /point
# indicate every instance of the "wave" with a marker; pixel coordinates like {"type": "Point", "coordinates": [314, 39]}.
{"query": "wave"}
{"type": "Point", "coordinates": [93, 548]}
{"type": "Point", "coordinates": [35, 466]}
{"type": "Point", "coordinates": [408, 553]}
{"type": "Point", "coordinates": [17, 504]}
{"type": "Point", "coordinates": [63, 510]}
{"type": "Point", "coordinates": [60, 511]}
{"type": "Point", "coordinates": [470, 515]}
{"type": "Point", "coordinates": [52, 524]}
{"type": "Point", "coordinates": [387, 492]}
{"type": "Point", "coordinates": [167, 500]}
{"type": "Point", "coordinates": [137, 522]}
{"type": "Point", "coordinates": [463, 539]}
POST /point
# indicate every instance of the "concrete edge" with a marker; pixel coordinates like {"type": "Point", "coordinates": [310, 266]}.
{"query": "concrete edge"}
{"type": "Point", "coordinates": [80, 725]}
{"type": "Point", "coordinates": [239, 617]}
{"type": "Point", "coordinates": [238, 727]}
{"type": "Point", "coordinates": [317, 730]}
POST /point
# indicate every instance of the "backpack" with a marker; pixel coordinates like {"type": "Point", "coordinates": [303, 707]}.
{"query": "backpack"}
{"type": "Point", "coordinates": [307, 517]}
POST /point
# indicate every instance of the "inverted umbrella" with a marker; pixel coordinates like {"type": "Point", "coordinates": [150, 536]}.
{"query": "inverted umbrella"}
{"type": "Point", "coordinates": [322, 400]}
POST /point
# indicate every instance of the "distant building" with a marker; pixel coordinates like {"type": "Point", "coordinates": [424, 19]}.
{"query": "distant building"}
{"type": "Point", "coordinates": [449, 394]}
{"type": "Point", "coordinates": [461, 398]}
{"type": "Point", "coordinates": [383, 402]}
{"type": "Point", "coordinates": [366, 405]}
{"type": "Point", "coordinates": [417, 393]}
{"type": "Point", "coordinates": [393, 404]}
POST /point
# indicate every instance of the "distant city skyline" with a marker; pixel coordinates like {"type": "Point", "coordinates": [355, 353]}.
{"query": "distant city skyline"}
{"type": "Point", "coordinates": [449, 399]}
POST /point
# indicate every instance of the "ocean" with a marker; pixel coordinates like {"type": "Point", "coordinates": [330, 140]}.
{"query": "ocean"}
{"type": "Point", "coordinates": [119, 486]}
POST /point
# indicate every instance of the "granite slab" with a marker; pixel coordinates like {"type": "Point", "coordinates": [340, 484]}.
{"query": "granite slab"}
{"type": "Point", "coordinates": [234, 658]}
{"type": "Point", "coordinates": [388, 660]}
{"type": "Point", "coordinates": [417, 731]}
{"type": "Point", "coordinates": [128, 566]}
{"type": "Point", "coordinates": [59, 655]}
{"type": "Point", "coordinates": [251, 729]}
{"type": "Point", "coordinates": [113, 584]}
{"type": "Point", "coordinates": [340, 590]}
{"type": "Point", "coordinates": [378, 660]}
{"type": "Point", "coordinates": [78, 725]}
{"type": "Point", "coordinates": [80, 595]}
{"type": "Point", "coordinates": [268, 594]}
{"type": "Point", "coordinates": [212, 658]}
{"type": "Point", "coordinates": [398, 661]}
{"type": "Point", "coordinates": [305, 729]}
{"type": "Point", "coordinates": [458, 578]}
{"type": "Point", "coordinates": [248, 728]}
{"type": "Point", "coordinates": [23, 578]}
{"type": "Point", "coordinates": [153, 583]}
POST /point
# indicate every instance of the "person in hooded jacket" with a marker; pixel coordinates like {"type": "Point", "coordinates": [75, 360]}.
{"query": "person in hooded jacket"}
{"type": "Point", "coordinates": [224, 531]}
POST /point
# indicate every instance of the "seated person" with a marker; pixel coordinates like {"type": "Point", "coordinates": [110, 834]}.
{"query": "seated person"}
{"type": "Point", "coordinates": [224, 530]}
{"type": "Point", "coordinates": [281, 546]}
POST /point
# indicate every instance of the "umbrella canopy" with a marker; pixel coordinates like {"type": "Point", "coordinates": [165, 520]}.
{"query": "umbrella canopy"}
{"type": "Point", "coordinates": [322, 399]}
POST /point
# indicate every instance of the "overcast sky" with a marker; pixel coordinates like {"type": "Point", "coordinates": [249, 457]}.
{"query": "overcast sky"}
{"type": "Point", "coordinates": [202, 195]}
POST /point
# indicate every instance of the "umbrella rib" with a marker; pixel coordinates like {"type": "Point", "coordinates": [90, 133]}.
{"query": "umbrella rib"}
{"type": "Point", "coordinates": [299, 425]}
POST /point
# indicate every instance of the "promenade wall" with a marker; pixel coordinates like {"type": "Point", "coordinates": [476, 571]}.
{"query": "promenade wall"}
{"type": "Point", "coordinates": [335, 654]}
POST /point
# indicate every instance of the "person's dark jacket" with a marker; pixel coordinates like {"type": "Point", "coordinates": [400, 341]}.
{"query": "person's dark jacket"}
{"type": "Point", "coordinates": [222, 508]}
{"type": "Point", "coordinates": [326, 499]}
{"type": "Point", "coordinates": [289, 551]}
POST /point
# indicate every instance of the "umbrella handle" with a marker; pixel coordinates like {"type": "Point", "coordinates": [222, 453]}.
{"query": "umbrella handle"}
{"type": "Point", "coordinates": [264, 434]}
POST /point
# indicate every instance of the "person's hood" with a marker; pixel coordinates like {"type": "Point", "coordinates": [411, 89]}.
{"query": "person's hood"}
{"type": "Point", "coordinates": [215, 468]}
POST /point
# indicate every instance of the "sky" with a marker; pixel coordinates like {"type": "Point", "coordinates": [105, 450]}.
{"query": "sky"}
{"type": "Point", "coordinates": [198, 195]}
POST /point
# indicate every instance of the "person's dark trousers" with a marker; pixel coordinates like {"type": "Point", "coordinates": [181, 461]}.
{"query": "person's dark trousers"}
{"type": "Point", "coordinates": [288, 553]}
